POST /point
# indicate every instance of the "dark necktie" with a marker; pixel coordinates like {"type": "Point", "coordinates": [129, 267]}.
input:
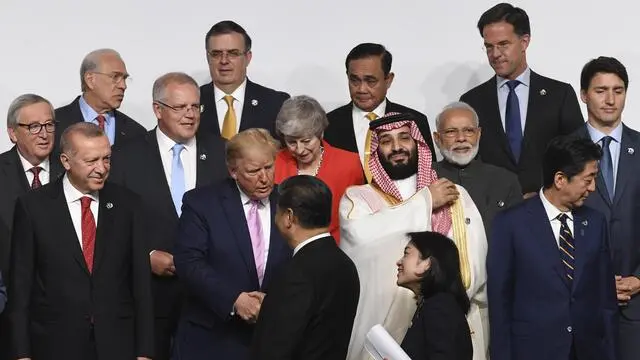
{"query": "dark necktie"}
{"type": "Point", "coordinates": [36, 177]}
{"type": "Point", "coordinates": [567, 247]}
{"type": "Point", "coordinates": [606, 166]}
{"type": "Point", "coordinates": [100, 119]}
{"type": "Point", "coordinates": [513, 124]}
{"type": "Point", "coordinates": [88, 232]}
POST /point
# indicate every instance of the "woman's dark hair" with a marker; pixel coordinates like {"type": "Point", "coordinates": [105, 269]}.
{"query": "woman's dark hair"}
{"type": "Point", "coordinates": [444, 273]}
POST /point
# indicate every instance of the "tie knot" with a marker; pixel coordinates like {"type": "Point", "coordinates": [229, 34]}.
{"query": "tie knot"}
{"type": "Point", "coordinates": [35, 170]}
{"type": "Point", "coordinates": [371, 116]}
{"type": "Point", "coordinates": [177, 149]}
{"type": "Point", "coordinates": [256, 203]}
{"type": "Point", "coordinates": [100, 119]}
{"type": "Point", "coordinates": [512, 84]}
{"type": "Point", "coordinates": [606, 140]}
{"type": "Point", "coordinates": [85, 201]}
{"type": "Point", "coordinates": [563, 218]}
{"type": "Point", "coordinates": [229, 100]}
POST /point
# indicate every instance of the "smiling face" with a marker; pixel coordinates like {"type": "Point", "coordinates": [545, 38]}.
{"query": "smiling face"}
{"type": "Point", "coordinates": [605, 99]}
{"type": "Point", "coordinates": [398, 152]}
{"type": "Point", "coordinates": [411, 267]}
{"type": "Point", "coordinates": [179, 119]}
{"type": "Point", "coordinates": [87, 162]}
{"type": "Point", "coordinates": [506, 50]}
{"type": "Point", "coordinates": [457, 137]}
{"type": "Point", "coordinates": [35, 148]}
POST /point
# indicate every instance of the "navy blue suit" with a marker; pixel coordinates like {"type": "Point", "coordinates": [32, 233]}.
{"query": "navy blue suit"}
{"type": "Point", "coordinates": [214, 258]}
{"type": "Point", "coordinates": [535, 312]}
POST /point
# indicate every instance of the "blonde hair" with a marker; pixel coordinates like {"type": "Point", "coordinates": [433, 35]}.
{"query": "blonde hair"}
{"type": "Point", "coordinates": [249, 138]}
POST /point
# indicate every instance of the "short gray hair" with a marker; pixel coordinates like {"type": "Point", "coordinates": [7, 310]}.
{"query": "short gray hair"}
{"type": "Point", "coordinates": [161, 83]}
{"type": "Point", "coordinates": [86, 129]}
{"type": "Point", "coordinates": [21, 102]}
{"type": "Point", "coordinates": [301, 116]}
{"type": "Point", "coordinates": [91, 62]}
{"type": "Point", "coordinates": [457, 105]}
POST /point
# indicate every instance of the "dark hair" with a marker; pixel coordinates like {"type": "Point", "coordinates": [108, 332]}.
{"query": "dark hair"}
{"type": "Point", "coordinates": [568, 155]}
{"type": "Point", "coordinates": [228, 27]}
{"type": "Point", "coordinates": [508, 13]}
{"type": "Point", "coordinates": [603, 64]}
{"type": "Point", "coordinates": [366, 50]}
{"type": "Point", "coordinates": [309, 198]}
{"type": "Point", "coordinates": [443, 276]}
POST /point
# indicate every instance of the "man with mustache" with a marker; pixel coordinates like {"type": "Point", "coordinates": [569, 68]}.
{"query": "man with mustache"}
{"type": "Point", "coordinates": [520, 111]}
{"type": "Point", "coordinates": [405, 195]}
{"type": "Point", "coordinates": [492, 188]}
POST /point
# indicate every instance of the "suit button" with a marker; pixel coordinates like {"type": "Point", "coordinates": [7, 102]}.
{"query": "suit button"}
{"type": "Point", "coordinates": [569, 329]}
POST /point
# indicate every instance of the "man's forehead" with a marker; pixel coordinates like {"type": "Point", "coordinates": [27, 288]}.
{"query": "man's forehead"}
{"type": "Point", "coordinates": [396, 131]}
{"type": "Point", "coordinates": [457, 117]}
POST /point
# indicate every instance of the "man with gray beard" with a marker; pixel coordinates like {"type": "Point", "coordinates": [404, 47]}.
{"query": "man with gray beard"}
{"type": "Point", "coordinates": [492, 188]}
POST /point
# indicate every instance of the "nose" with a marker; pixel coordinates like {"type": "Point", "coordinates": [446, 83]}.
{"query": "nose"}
{"type": "Point", "coordinates": [609, 98]}
{"type": "Point", "coordinates": [362, 87]}
{"type": "Point", "coordinates": [399, 262]}
{"type": "Point", "coordinates": [592, 186]}
{"type": "Point", "coordinates": [460, 136]}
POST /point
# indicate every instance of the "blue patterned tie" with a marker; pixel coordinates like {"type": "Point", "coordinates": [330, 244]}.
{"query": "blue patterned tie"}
{"type": "Point", "coordinates": [566, 245]}
{"type": "Point", "coordinates": [606, 166]}
{"type": "Point", "coordinates": [513, 124]}
{"type": "Point", "coordinates": [177, 178]}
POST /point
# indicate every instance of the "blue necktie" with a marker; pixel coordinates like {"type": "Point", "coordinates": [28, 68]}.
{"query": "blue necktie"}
{"type": "Point", "coordinates": [606, 166]}
{"type": "Point", "coordinates": [177, 178]}
{"type": "Point", "coordinates": [513, 125]}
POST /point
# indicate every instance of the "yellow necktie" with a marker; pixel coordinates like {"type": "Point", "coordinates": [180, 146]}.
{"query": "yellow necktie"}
{"type": "Point", "coordinates": [367, 148]}
{"type": "Point", "coordinates": [229, 125]}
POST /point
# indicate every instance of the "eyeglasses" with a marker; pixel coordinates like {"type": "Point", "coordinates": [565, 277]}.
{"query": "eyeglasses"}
{"type": "Point", "coordinates": [181, 109]}
{"type": "Point", "coordinates": [453, 133]}
{"type": "Point", "coordinates": [116, 77]}
{"type": "Point", "coordinates": [36, 128]}
{"type": "Point", "coordinates": [231, 54]}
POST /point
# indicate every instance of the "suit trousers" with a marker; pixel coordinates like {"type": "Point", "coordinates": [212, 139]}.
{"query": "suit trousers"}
{"type": "Point", "coordinates": [629, 339]}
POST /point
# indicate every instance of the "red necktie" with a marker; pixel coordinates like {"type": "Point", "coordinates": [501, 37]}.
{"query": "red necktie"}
{"type": "Point", "coordinates": [36, 177]}
{"type": "Point", "coordinates": [100, 119]}
{"type": "Point", "coordinates": [88, 232]}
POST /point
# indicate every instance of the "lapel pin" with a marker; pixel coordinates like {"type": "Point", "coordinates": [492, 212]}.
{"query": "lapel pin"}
{"type": "Point", "coordinates": [254, 102]}
{"type": "Point", "coordinates": [543, 92]}
{"type": "Point", "coordinates": [585, 223]}
{"type": "Point", "coordinates": [109, 205]}
{"type": "Point", "coordinates": [467, 221]}
{"type": "Point", "coordinates": [500, 203]}
{"type": "Point", "coordinates": [201, 108]}
{"type": "Point", "coordinates": [630, 151]}
{"type": "Point", "coordinates": [203, 156]}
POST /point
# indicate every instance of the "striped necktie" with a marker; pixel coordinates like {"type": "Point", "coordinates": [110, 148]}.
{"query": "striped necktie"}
{"type": "Point", "coordinates": [567, 246]}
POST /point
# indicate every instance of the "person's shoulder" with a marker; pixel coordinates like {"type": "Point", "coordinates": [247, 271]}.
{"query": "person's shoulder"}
{"type": "Point", "coordinates": [479, 89]}
{"type": "Point", "coordinates": [208, 193]}
{"type": "Point", "coordinates": [498, 173]}
{"type": "Point", "coordinates": [340, 111]}
{"type": "Point", "coordinates": [266, 91]}
{"type": "Point", "coordinates": [549, 82]}
{"type": "Point", "coordinates": [68, 107]}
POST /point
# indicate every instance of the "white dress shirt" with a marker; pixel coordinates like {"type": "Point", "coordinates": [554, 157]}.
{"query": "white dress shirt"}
{"type": "Point", "coordinates": [265, 220]}
{"type": "Point", "coordinates": [238, 103]}
{"type": "Point", "coordinates": [522, 91]}
{"type": "Point", "coordinates": [309, 240]}
{"type": "Point", "coordinates": [407, 187]}
{"type": "Point", "coordinates": [552, 216]}
{"type": "Point", "coordinates": [188, 156]}
{"type": "Point", "coordinates": [73, 196]}
{"type": "Point", "coordinates": [45, 172]}
{"type": "Point", "coordinates": [361, 125]}
{"type": "Point", "coordinates": [614, 146]}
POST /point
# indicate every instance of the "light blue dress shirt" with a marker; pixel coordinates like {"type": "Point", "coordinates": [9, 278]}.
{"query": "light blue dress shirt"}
{"type": "Point", "coordinates": [522, 91]}
{"type": "Point", "coordinates": [90, 115]}
{"type": "Point", "coordinates": [614, 147]}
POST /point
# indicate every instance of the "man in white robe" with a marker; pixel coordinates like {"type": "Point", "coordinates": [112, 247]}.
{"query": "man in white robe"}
{"type": "Point", "coordinates": [406, 196]}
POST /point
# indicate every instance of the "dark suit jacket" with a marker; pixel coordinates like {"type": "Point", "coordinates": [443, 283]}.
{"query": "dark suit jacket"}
{"type": "Point", "coordinates": [126, 127]}
{"type": "Point", "coordinates": [3, 294]}
{"type": "Point", "coordinates": [557, 112]}
{"type": "Point", "coordinates": [53, 299]}
{"type": "Point", "coordinates": [439, 331]}
{"type": "Point", "coordinates": [535, 312]}
{"type": "Point", "coordinates": [261, 106]}
{"type": "Point", "coordinates": [14, 183]}
{"type": "Point", "coordinates": [138, 166]}
{"type": "Point", "coordinates": [310, 308]}
{"type": "Point", "coordinates": [214, 259]}
{"type": "Point", "coordinates": [623, 215]}
{"type": "Point", "coordinates": [340, 132]}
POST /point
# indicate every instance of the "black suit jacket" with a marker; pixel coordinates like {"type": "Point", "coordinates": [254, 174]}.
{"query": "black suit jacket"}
{"type": "Point", "coordinates": [552, 110]}
{"type": "Point", "coordinates": [138, 166]}
{"type": "Point", "coordinates": [14, 183]}
{"type": "Point", "coordinates": [261, 106]}
{"type": "Point", "coordinates": [309, 311]}
{"type": "Point", "coordinates": [340, 132]}
{"type": "Point", "coordinates": [53, 299]}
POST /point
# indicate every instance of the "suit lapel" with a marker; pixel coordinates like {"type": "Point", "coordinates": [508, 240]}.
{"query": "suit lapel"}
{"type": "Point", "coordinates": [494, 120]}
{"type": "Point", "coordinates": [275, 241]}
{"type": "Point", "coordinates": [16, 171]}
{"type": "Point", "coordinates": [533, 112]}
{"type": "Point", "coordinates": [580, 226]}
{"type": "Point", "coordinates": [205, 171]}
{"type": "Point", "coordinates": [628, 146]}
{"type": "Point", "coordinates": [106, 213]}
{"type": "Point", "coordinates": [209, 111]}
{"type": "Point", "coordinates": [120, 131]}
{"type": "Point", "coordinates": [156, 175]}
{"type": "Point", "coordinates": [250, 109]}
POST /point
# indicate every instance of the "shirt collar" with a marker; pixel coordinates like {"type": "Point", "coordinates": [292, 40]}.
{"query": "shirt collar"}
{"type": "Point", "coordinates": [597, 135]}
{"type": "Point", "coordinates": [165, 143]}
{"type": "Point", "coordinates": [72, 194]}
{"type": "Point", "coordinates": [238, 94]}
{"type": "Point", "coordinates": [26, 165]}
{"type": "Point", "coordinates": [89, 114]}
{"type": "Point", "coordinates": [309, 240]}
{"type": "Point", "coordinates": [551, 210]}
{"type": "Point", "coordinates": [524, 78]}
{"type": "Point", "coordinates": [380, 110]}
{"type": "Point", "coordinates": [246, 200]}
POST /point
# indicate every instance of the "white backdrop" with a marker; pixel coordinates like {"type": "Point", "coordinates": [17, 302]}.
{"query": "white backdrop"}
{"type": "Point", "coordinates": [300, 46]}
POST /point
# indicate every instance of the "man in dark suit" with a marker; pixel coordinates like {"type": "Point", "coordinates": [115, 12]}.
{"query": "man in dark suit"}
{"type": "Point", "coordinates": [79, 283]}
{"type": "Point", "coordinates": [103, 80]}
{"type": "Point", "coordinates": [603, 84]}
{"type": "Point", "coordinates": [550, 280]}
{"type": "Point", "coordinates": [520, 111]}
{"type": "Point", "coordinates": [227, 251]}
{"type": "Point", "coordinates": [370, 77]}
{"type": "Point", "coordinates": [311, 305]}
{"type": "Point", "coordinates": [160, 167]}
{"type": "Point", "coordinates": [231, 102]}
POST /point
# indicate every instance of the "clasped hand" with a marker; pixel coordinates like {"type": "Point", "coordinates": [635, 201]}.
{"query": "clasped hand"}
{"type": "Point", "coordinates": [626, 287]}
{"type": "Point", "coordinates": [248, 304]}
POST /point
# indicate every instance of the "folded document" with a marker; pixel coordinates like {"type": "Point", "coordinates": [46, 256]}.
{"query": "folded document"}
{"type": "Point", "coordinates": [382, 346]}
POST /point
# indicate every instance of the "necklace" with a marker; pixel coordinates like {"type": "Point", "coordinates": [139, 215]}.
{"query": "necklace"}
{"type": "Point", "coordinates": [317, 169]}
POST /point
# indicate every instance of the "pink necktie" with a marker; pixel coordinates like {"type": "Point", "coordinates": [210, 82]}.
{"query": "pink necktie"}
{"type": "Point", "coordinates": [257, 238]}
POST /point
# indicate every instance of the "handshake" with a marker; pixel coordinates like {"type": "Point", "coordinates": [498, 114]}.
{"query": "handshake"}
{"type": "Point", "coordinates": [247, 306]}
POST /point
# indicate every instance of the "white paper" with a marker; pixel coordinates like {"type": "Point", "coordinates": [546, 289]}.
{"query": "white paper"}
{"type": "Point", "coordinates": [382, 346]}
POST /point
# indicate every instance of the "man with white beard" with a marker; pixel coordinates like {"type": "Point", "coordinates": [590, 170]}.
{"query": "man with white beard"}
{"type": "Point", "coordinates": [492, 188]}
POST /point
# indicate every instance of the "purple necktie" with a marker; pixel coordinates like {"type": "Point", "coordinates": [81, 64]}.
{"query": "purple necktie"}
{"type": "Point", "coordinates": [257, 238]}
